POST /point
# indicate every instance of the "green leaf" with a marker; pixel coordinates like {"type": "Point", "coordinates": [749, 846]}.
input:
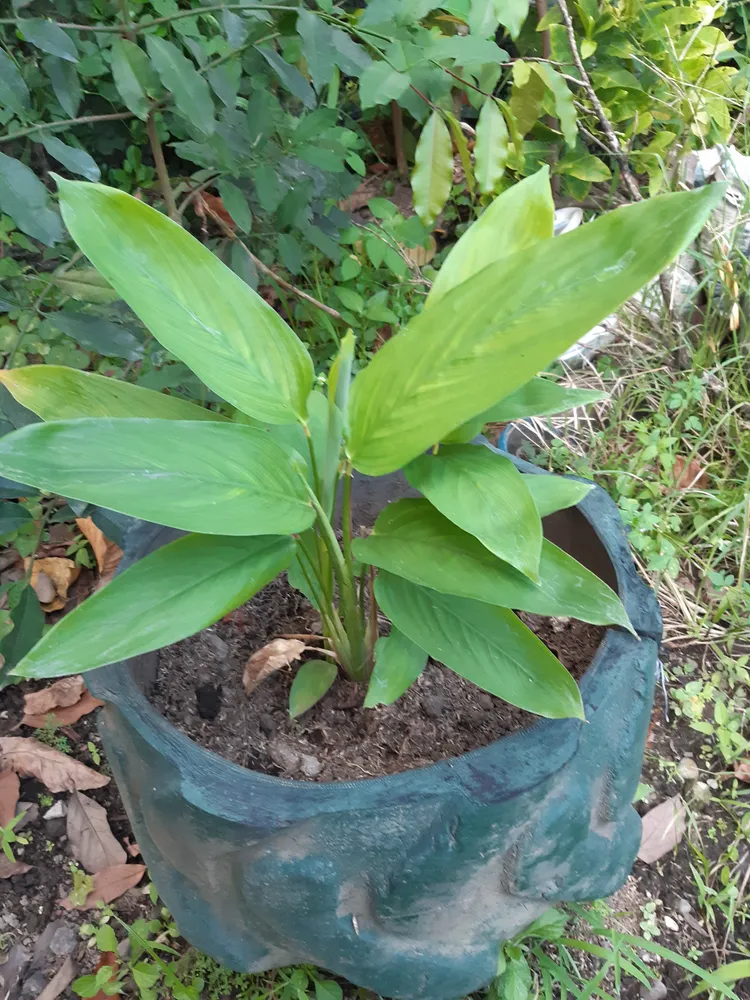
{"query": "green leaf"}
{"type": "Point", "coordinates": [414, 541]}
{"type": "Point", "coordinates": [380, 84]}
{"type": "Point", "coordinates": [483, 20]}
{"type": "Point", "coordinates": [172, 593]}
{"type": "Point", "coordinates": [398, 663]}
{"type": "Point", "coordinates": [14, 94]}
{"type": "Point", "coordinates": [65, 83]}
{"type": "Point", "coordinates": [551, 493]}
{"type": "Point", "coordinates": [25, 199]}
{"type": "Point", "coordinates": [540, 397]}
{"type": "Point", "coordinates": [145, 975]}
{"type": "Point", "coordinates": [193, 304]}
{"type": "Point", "coordinates": [189, 475]}
{"type": "Point", "coordinates": [516, 980]}
{"type": "Point", "coordinates": [526, 98]}
{"type": "Point", "coordinates": [310, 683]}
{"type": "Point", "coordinates": [489, 646]}
{"type": "Point", "coordinates": [499, 328]}
{"type": "Point", "coordinates": [512, 14]}
{"type": "Point", "coordinates": [49, 37]}
{"type": "Point", "coordinates": [486, 495]}
{"type": "Point", "coordinates": [290, 77]}
{"type": "Point", "coordinates": [85, 284]}
{"type": "Point", "coordinates": [235, 28]}
{"type": "Point", "coordinates": [225, 81]}
{"type": "Point", "coordinates": [268, 188]}
{"type": "Point", "coordinates": [327, 989]}
{"type": "Point", "coordinates": [28, 622]}
{"type": "Point", "coordinates": [491, 150]}
{"type": "Point", "coordinates": [459, 141]}
{"type": "Point", "coordinates": [12, 517]}
{"type": "Point", "coordinates": [731, 972]}
{"type": "Point", "coordinates": [468, 50]}
{"type": "Point", "coordinates": [517, 219]}
{"type": "Point", "coordinates": [317, 47]}
{"type": "Point", "coordinates": [76, 160]}
{"type": "Point", "coordinates": [133, 75]}
{"type": "Point", "coordinates": [94, 333]}
{"type": "Point", "coordinates": [235, 203]}
{"type": "Point", "coordinates": [564, 106]}
{"type": "Point", "coordinates": [190, 90]}
{"type": "Point", "coordinates": [57, 393]}
{"type": "Point", "coordinates": [584, 167]}
{"type": "Point", "coordinates": [105, 938]}
{"type": "Point", "coordinates": [433, 169]}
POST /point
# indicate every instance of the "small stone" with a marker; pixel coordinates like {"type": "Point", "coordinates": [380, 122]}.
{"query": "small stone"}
{"type": "Point", "coordinates": [31, 811]}
{"type": "Point", "coordinates": [310, 766]}
{"type": "Point", "coordinates": [687, 769]}
{"type": "Point", "coordinates": [64, 941]}
{"type": "Point", "coordinates": [701, 793]}
{"type": "Point", "coordinates": [45, 588]}
{"type": "Point", "coordinates": [670, 922]}
{"type": "Point", "coordinates": [267, 724]}
{"type": "Point", "coordinates": [682, 906]}
{"type": "Point", "coordinates": [434, 705]}
{"type": "Point", "coordinates": [284, 756]}
{"type": "Point", "coordinates": [57, 811]}
{"type": "Point", "coordinates": [216, 644]}
{"type": "Point", "coordinates": [33, 986]}
{"type": "Point", "coordinates": [657, 991]}
{"type": "Point", "coordinates": [485, 701]}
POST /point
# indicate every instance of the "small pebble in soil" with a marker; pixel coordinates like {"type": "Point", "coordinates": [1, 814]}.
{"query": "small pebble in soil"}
{"type": "Point", "coordinates": [682, 906]}
{"type": "Point", "coordinates": [434, 705]}
{"type": "Point", "coordinates": [284, 756]}
{"type": "Point", "coordinates": [208, 700]}
{"type": "Point", "coordinates": [30, 813]}
{"type": "Point", "coordinates": [701, 793]}
{"type": "Point", "coordinates": [657, 991]}
{"type": "Point", "coordinates": [267, 724]}
{"type": "Point", "coordinates": [310, 766]}
{"type": "Point", "coordinates": [670, 923]}
{"type": "Point", "coordinates": [687, 769]}
{"type": "Point", "coordinates": [216, 644]}
{"type": "Point", "coordinates": [64, 941]}
{"type": "Point", "coordinates": [56, 811]}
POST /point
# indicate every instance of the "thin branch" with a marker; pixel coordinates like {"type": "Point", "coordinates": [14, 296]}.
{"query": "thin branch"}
{"type": "Point", "coordinates": [18, 21]}
{"type": "Point", "coordinates": [230, 234]}
{"type": "Point", "coordinates": [397, 120]}
{"type": "Point", "coordinates": [85, 120]}
{"type": "Point", "coordinates": [165, 185]}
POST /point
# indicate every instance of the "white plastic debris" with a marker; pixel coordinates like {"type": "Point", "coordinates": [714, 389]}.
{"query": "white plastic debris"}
{"type": "Point", "coordinates": [567, 219]}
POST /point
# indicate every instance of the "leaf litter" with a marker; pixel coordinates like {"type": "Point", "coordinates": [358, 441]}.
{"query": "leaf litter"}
{"type": "Point", "coordinates": [273, 656]}
{"type": "Point", "coordinates": [91, 840]}
{"type": "Point", "coordinates": [30, 758]}
{"type": "Point", "coordinates": [662, 829]}
{"type": "Point", "coordinates": [108, 885]}
{"type": "Point", "coordinates": [106, 552]}
{"type": "Point", "coordinates": [9, 792]}
{"type": "Point", "coordinates": [62, 694]}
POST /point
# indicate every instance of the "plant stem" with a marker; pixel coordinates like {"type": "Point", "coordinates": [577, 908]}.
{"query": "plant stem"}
{"type": "Point", "coordinates": [397, 120]}
{"type": "Point", "coordinates": [85, 120]}
{"type": "Point", "coordinates": [165, 185]}
{"type": "Point", "coordinates": [145, 25]}
{"type": "Point", "coordinates": [346, 514]}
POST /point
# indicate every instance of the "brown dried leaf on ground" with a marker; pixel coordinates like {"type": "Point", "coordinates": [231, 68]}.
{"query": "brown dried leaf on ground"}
{"type": "Point", "coordinates": [107, 553]}
{"type": "Point", "coordinates": [60, 572]}
{"type": "Point", "coordinates": [276, 654]}
{"type": "Point", "coordinates": [89, 835]}
{"type": "Point", "coordinates": [9, 791]}
{"type": "Point", "coordinates": [30, 758]}
{"type": "Point", "coordinates": [60, 981]}
{"type": "Point", "coordinates": [64, 716]}
{"type": "Point", "coordinates": [742, 769]}
{"type": "Point", "coordinates": [109, 883]}
{"type": "Point", "coordinates": [67, 691]}
{"type": "Point", "coordinates": [10, 868]}
{"type": "Point", "coordinates": [689, 475]}
{"type": "Point", "coordinates": [663, 828]}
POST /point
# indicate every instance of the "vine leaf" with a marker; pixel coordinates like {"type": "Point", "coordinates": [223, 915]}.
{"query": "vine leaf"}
{"type": "Point", "coordinates": [433, 169]}
{"type": "Point", "coordinates": [491, 150]}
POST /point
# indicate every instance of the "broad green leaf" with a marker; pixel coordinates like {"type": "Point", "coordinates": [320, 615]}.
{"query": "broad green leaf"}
{"type": "Point", "coordinates": [526, 97]}
{"type": "Point", "coordinates": [731, 972]}
{"type": "Point", "coordinates": [172, 593]}
{"type": "Point", "coordinates": [25, 199]}
{"type": "Point", "coordinates": [49, 37]}
{"type": "Point", "coordinates": [77, 161]}
{"type": "Point", "coordinates": [12, 517]}
{"type": "Point", "coordinates": [57, 393]}
{"type": "Point", "coordinates": [190, 90]}
{"type": "Point", "coordinates": [517, 219]}
{"type": "Point", "coordinates": [564, 106]}
{"type": "Point", "coordinates": [486, 495]}
{"type": "Point", "coordinates": [327, 989]}
{"type": "Point", "coordinates": [63, 76]}
{"type": "Point", "coordinates": [28, 622]}
{"type": "Point", "coordinates": [512, 14]}
{"type": "Point", "coordinates": [94, 333]}
{"type": "Point", "coordinates": [86, 284]}
{"type": "Point", "coordinates": [503, 325]}
{"type": "Point", "coordinates": [380, 84]}
{"type": "Point", "coordinates": [433, 169]}
{"type": "Point", "coordinates": [225, 81]}
{"type": "Point", "coordinates": [290, 77]}
{"type": "Point", "coordinates": [515, 982]}
{"type": "Point", "coordinates": [14, 94]}
{"type": "Point", "coordinates": [317, 47]}
{"type": "Point", "coordinates": [468, 50]}
{"type": "Point", "coordinates": [584, 167]}
{"type": "Point", "coordinates": [414, 541]}
{"type": "Point", "coordinates": [235, 28]}
{"type": "Point", "coordinates": [193, 304]}
{"type": "Point", "coordinates": [310, 683]}
{"type": "Point", "coordinates": [491, 149]}
{"type": "Point", "coordinates": [133, 75]}
{"type": "Point", "coordinates": [489, 646]}
{"type": "Point", "coordinates": [551, 493]}
{"type": "Point", "coordinates": [398, 663]}
{"type": "Point", "coordinates": [540, 397]}
{"type": "Point", "coordinates": [483, 20]}
{"type": "Point", "coordinates": [194, 475]}
{"type": "Point", "coordinates": [235, 203]}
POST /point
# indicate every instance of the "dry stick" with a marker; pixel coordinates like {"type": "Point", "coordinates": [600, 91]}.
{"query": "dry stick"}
{"type": "Point", "coordinates": [230, 233]}
{"type": "Point", "coordinates": [85, 120]}
{"type": "Point", "coordinates": [162, 173]}
{"type": "Point", "coordinates": [397, 120]}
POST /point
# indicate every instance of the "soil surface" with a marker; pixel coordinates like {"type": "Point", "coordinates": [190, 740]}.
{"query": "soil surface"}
{"type": "Point", "coordinates": [199, 689]}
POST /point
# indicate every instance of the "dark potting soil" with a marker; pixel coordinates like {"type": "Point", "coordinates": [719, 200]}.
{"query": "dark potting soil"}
{"type": "Point", "coordinates": [199, 689]}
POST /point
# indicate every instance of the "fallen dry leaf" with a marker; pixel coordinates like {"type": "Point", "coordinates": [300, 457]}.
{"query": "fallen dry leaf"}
{"type": "Point", "coordinates": [132, 848]}
{"type": "Point", "coordinates": [689, 475]}
{"type": "Point", "coordinates": [214, 204]}
{"type": "Point", "coordinates": [67, 691]}
{"type": "Point", "coordinates": [10, 868]}
{"type": "Point", "coordinates": [276, 654]}
{"type": "Point", "coordinates": [109, 883]}
{"type": "Point", "coordinates": [107, 554]}
{"type": "Point", "coordinates": [30, 758]}
{"type": "Point", "coordinates": [60, 981]}
{"type": "Point", "coordinates": [741, 769]}
{"type": "Point", "coordinates": [61, 572]}
{"type": "Point", "coordinates": [89, 835]}
{"type": "Point", "coordinates": [9, 790]}
{"type": "Point", "coordinates": [419, 256]}
{"type": "Point", "coordinates": [663, 827]}
{"type": "Point", "coordinates": [64, 716]}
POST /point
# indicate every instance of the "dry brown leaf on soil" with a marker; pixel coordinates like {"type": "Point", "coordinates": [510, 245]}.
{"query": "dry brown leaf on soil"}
{"type": "Point", "coordinates": [419, 256]}
{"type": "Point", "coordinates": [9, 791]}
{"type": "Point", "coordinates": [272, 657]}
{"type": "Point", "coordinates": [89, 835]}
{"type": "Point", "coordinates": [742, 769]}
{"type": "Point", "coordinates": [109, 883]}
{"type": "Point", "coordinates": [64, 716]}
{"type": "Point", "coordinates": [60, 981]}
{"type": "Point", "coordinates": [60, 572]}
{"type": "Point", "coordinates": [107, 553]}
{"type": "Point", "coordinates": [689, 475]}
{"type": "Point", "coordinates": [10, 868]}
{"type": "Point", "coordinates": [30, 758]}
{"type": "Point", "coordinates": [67, 691]}
{"type": "Point", "coordinates": [663, 828]}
